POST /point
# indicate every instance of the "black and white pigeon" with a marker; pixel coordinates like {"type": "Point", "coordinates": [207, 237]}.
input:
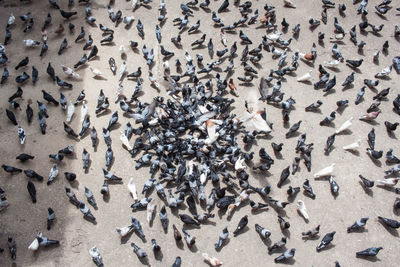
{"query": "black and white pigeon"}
{"type": "Point", "coordinates": [288, 254]}
{"type": "Point", "coordinates": [326, 240]}
{"type": "Point", "coordinates": [359, 224]}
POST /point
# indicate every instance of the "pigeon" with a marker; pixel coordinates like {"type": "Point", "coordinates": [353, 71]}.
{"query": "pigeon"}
{"type": "Point", "coordinates": [63, 46]}
{"type": "Point", "coordinates": [67, 14]}
{"type": "Point", "coordinates": [53, 174]}
{"type": "Point", "coordinates": [326, 240]}
{"type": "Point", "coordinates": [391, 158]}
{"type": "Point", "coordinates": [224, 6]}
{"type": "Point", "coordinates": [349, 79]}
{"type": "Point", "coordinates": [308, 189]}
{"type": "Point", "coordinates": [86, 212]}
{"type": "Point", "coordinates": [96, 257]}
{"type": "Point", "coordinates": [241, 225]}
{"type": "Point", "coordinates": [32, 191]}
{"type": "Point", "coordinates": [164, 218]}
{"type": "Point", "coordinates": [49, 98]}
{"type": "Point", "coordinates": [359, 224]}
{"type": "Point", "coordinates": [71, 196]}
{"type": "Point", "coordinates": [111, 176]}
{"type": "Point", "coordinates": [69, 130]}
{"type": "Point", "coordinates": [369, 252]}
{"type": "Point", "coordinates": [283, 223]}
{"type": "Point", "coordinates": [293, 129]}
{"type": "Point", "coordinates": [90, 197]}
{"type": "Point", "coordinates": [354, 63]}
{"type": "Point", "coordinates": [284, 175]}
{"type": "Point", "coordinates": [12, 247]}
{"type": "Point", "coordinates": [81, 35]}
{"type": "Point", "coordinates": [11, 169]}
{"type": "Point", "coordinates": [50, 217]}
{"type": "Point", "coordinates": [11, 116]}
{"type": "Point", "coordinates": [4, 76]}
{"type": "Point", "coordinates": [314, 106]}
{"type": "Point", "coordinates": [311, 233]}
{"type": "Point", "coordinates": [360, 95]}
{"type": "Point", "coordinates": [280, 244]}
{"type": "Point", "coordinates": [389, 222]}
{"type": "Point", "coordinates": [190, 240]}
{"type": "Point", "coordinates": [374, 153]}
{"type": "Point", "coordinates": [188, 220]}
{"type": "Point", "coordinates": [24, 157]}
{"type": "Point", "coordinates": [22, 63]}
{"type": "Point", "coordinates": [222, 237]}
{"type": "Point", "coordinates": [288, 254]}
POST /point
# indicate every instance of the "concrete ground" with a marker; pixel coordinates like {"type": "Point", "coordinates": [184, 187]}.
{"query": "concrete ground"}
{"type": "Point", "coordinates": [23, 220]}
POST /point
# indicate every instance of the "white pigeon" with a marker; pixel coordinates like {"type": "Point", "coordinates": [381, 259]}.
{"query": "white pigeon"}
{"type": "Point", "coordinates": [301, 207]}
{"type": "Point", "coordinates": [212, 260]}
{"type": "Point", "coordinates": [123, 231]}
{"type": "Point", "coordinates": [274, 36]}
{"type": "Point", "coordinates": [128, 20]}
{"type": "Point", "coordinates": [375, 56]}
{"type": "Point", "coordinates": [120, 92]}
{"type": "Point", "coordinates": [166, 65]}
{"type": "Point", "coordinates": [125, 141]}
{"type": "Point", "coordinates": [21, 135]}
{"type": "Point", "coordinates": [188, 57]}
{"type": "Point", "coordinates": [276, 52]}
{"type": "Point", "coordinates": [122, 50]}
{"type": "Point", "coordinates": [289, 3]}
{"type": "Point", "coordinates": [239, 164]}
{"type": "Point", "coordinates": [252, 116]}
{"type": "Point", "coordinates": [11, 19]}
{"type": "Point", "coordinates": [96, 72]}
{"type": "Point", "coordinates": [390, 182]}
{"type": "Point", "coordinates": [346, 125]}
{"type": "Point", "coordinates": [306, 77]}
{"type": "Point", "coordinates": [223, 38]}
{"type": "Point", "coordinates": [211, 131]}
{"type": "Point", "coordinates": [353, 146]}
{"type": "Point", "coordinates": [122, 71]}
{"type": "Point", "coordinates": [134, 4]}
{"type": "Point", "coordinates": [153, 80]}
{"type": "Point", "coordinates": [325, 171]}
{"type": "Point", "coordinates": [35, 243]}
{"type": "Point", "coordinates": [84, 110]}
{"type": "Point", "coordinates": [332, 63]}
{"type": "Point", "coordinates": [203, 178]}
{"type": "Point", "coordinates": [70, 111]}
{"type": "Point", "coordinates": [384, 72]}
{"type": "Point", "coordinates": [31, 43]}
{"type": "Point", "coordinates": [132, 189]}
{"type": "Point", "coordinates": [70, 72]}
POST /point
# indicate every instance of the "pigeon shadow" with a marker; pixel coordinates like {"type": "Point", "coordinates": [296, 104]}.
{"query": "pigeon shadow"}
{"type": "Point", "coordinates": [290, 261]}
{"type": "Point", "coordinates": [179, 244]}
{"type": "Point", "coordinates": [392, 231]}
{"type": "Point", "coordinates": [245, 230]}
{"type": "Point", "coordinates": [87, 219]}
{"type": "Point", "coordinates": [144, 261]}
{"type": "Point", "coordinates": [306, 238]}
{"type": "Point", "coordinates": [368, 258]}
{"type": "Point", "coordinates": [126, 238]}
{"type": "Point", "coordinates": [286, 233]}
{"type": "Point", "coordinates": [225, 243]}
{"type": "Point", "coordinates": [158, 255]}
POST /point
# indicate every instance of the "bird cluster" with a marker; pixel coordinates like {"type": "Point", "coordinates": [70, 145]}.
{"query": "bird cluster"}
{"type": "Point", "coordinates": [191, 138]}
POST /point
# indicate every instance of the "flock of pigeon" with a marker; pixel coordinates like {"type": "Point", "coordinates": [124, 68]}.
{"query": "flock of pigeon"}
{"type": "Point", "coordinates": [190, 139]}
